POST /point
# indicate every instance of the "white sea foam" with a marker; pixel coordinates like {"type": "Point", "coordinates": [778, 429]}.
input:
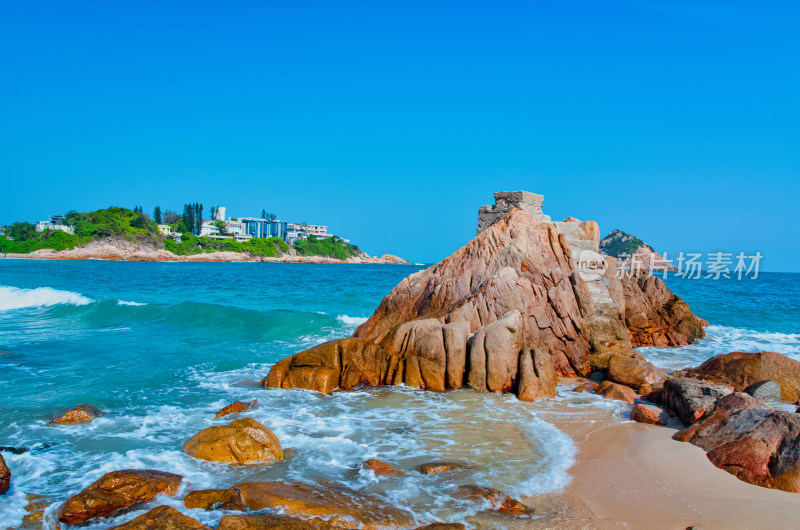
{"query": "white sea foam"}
{"type": "Point", "coordinates": [723, 339]}
{"type": "Point", "coordinates": [125, 302]}
{"type": "Point", "coordinates": [351, 321]}
{"type": "Point", "coordinates": [17, 298]}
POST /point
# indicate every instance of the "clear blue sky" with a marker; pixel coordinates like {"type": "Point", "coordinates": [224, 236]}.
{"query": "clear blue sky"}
{"type": "Point", "coordinates": [678, 121]}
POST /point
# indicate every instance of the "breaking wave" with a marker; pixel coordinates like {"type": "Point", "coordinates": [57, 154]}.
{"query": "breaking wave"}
{"type": "Point", "coordinates": [17, 298]}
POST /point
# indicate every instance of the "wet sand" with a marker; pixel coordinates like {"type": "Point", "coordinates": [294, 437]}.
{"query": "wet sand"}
{"type": "Point", "coordinates": [634, 476]}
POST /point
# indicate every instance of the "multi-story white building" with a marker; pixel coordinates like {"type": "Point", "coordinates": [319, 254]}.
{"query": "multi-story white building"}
{"type": "Point", "coordinates": [41, 226]}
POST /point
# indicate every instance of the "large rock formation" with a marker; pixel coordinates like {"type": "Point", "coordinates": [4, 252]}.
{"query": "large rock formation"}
{"type": "Point", "coordinates": [523, 302]}
{"type": "Point", "coordinates": [742, 369]}
{"type": "Point", "coordinates": [116, 491]}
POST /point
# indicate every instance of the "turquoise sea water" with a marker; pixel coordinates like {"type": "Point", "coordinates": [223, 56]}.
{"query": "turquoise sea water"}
{"type": "Point", "coordinates": [162, 346]}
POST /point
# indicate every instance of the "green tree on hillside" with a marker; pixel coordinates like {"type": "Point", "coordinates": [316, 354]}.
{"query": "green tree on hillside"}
{"type": "Point", "coordinates": [157, 214]}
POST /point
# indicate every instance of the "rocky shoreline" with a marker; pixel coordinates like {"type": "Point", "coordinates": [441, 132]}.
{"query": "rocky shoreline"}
{"type": "Point", "coordinates": [116, 249]}
{"type": "Point", "coordinates": [513, 311]}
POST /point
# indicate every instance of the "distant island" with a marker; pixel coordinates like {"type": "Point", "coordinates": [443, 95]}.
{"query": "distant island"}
{"type": "Point", "coordinates": [117, 233]}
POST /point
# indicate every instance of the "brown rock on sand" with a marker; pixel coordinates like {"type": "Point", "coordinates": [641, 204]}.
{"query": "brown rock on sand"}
{"type": "Point", "coordinates": [5, 476]}
{"type": "Point", "coordinates": [690, 399]}
{"type": "Point", "coordinates": [263, 522]}
{"type": "Point", "coordinates": [750, 440]}
{"type": "Point", "coordinates": [236, 406]}
{"type": "Point", "coordinates": [242, 441]}
{"type": "Point", "coordinates": [649, 414]}
{"type": "Point", "coordinates": [162, 518]}
{"type": "Point", "coordinates": [634, 372]}
{"type": "Point", "coordinates": [381, 468]}
{"type": "Point", "coordinates": [612, 390]}
{"type": "Point", "coordinates": [115, 491]}
{"type": "Point", "coordinates": [743, 369]}
{"type": "Point", "coordinates": [79, 415]}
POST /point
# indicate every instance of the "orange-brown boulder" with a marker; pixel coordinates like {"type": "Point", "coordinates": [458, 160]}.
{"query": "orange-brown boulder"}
{"type": "Point", "coordinates": [236, 406]}
{"type": "Point", "coordinates": [213, 500]}
{"type": "Point", "coordinates": [115, 491]}
{"type": "Point", "coordinates": [750, 440]}
{"type": "Point", "coordinates": [162, 518]}
{"type": "Point", "coordinates": [635, 373]}
{"type": "Point", "coordinates": [442, 466]}
{"type": "Point", "coordinates": [649, 414]}
{"type": "Point", "coordinates": [5, 476]}
{"type": "Point", "coordinates": [321, 502]}
{"type": "Point", "coordinates": [442, 526]}
{"type": "Point", "coordinates": [380, 468]}
{"type": "Point", "coordinates": [75, 416]}
{"type": "Point", "coordinates": [743, 369]}
{"type": "Point", "coordinates": [655, 316]}
{"type": "Point", "coordinates": [689, 399]}
{"type": "Point", "coordinates": [586, 386]}
{"type": "Point", "coordinates": [497, 500]}
{"type": "Point", "coordinates": [242, 441]}
{"type": "Point", "coordinates": [612, 390]}
{"type": "Point", "coordinates": [263, 522]}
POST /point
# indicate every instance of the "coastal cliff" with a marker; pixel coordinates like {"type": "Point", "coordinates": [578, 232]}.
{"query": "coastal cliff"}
{"type": "Point", "coordinates": [511, 310]}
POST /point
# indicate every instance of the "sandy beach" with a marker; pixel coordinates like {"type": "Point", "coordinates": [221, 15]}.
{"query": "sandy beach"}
{"type": "Point", "coordinates": [633, 476]}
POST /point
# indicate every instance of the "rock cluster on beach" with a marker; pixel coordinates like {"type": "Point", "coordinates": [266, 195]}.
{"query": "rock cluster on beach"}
{"type": "Point", "coordinates": [508, 312]}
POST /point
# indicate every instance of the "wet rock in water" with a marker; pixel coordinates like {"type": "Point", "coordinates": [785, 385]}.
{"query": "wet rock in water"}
{"type": "Point", "coordinates": [765, 391]}
{"type": "Point", "coordinates": [442, 526]}
{"type": "Point", "coordinates": [498, 501]}
{"type": "Point", "coordinates": [236, 406]}
{"type": "Point", "coordinates": [162, 518]}
{"type": "Point", "coordinates": [689, 399]}
{"type": "Point", "coordinates": [649, 414]}
{"type": "Point", "coordinates": [442, 466]}
{"type": "Point", "coordinates": [79, 415]}
{"type": "Point", "coordinates": [36, 506]}
{"type": "Point", "coordinates": [5, 476]}
{"type": "Point", "coordinates": [115, 491]}
{"type": "Point", "coordinates": [616, 391]}
{"type": "Point", "coordinates": [242, 441]}
{"type": "Point", "coordinates": [13, 450]}
{"type": "Point", "coordinates": [634, 372]}
{"type": "Point", "coordinates": [321, 502]}
{"type": "Point", "coordinates": [213, 500]}
{"type": "Point", "coordinates": [750, 440]}
{"type": "Point", "coordinates": [588, 386]}
{"type": "Point", "coordinates": [743, 369]}
{"type": "Point", "coordinates": [380, 468]}
{"type": "Point", "coordinates": [655, 316]}
{"type": "Point", "coordinates": [263, 522]}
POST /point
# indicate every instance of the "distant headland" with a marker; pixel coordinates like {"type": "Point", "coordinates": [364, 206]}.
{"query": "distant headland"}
{"type": "Point", "coordinates": [117, 233]}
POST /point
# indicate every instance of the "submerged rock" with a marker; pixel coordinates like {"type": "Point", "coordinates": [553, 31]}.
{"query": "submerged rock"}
{"type": "Point", "coordinates": [227, 499]}
{"type": "Point", "coordinates": [115, 491]}
{"type": "Point", "coordinates": [442, 466]}
{"type": "Point", "coordinates": [162, 518]}
{"type": "Point", "coordinates": [690, 399]}
{"type": "Point", "coordinates": [442, 526]}
{"type": "Point", "coordinates": [380, 468]}
{"type": "Point", "coordinates": [79, 415]}
{"type": "Point", "coordinates": [242, 441]}
{"type": "Point", "coordinates": [263, 522]}
{"type": "Point", "coordinates": [748, 439]}
{"type": "Point", "coordinates": [236, 406]}
{"type": "Point", "coordinates": [743, 369]}
{"type": "Point", "coordinates": [5, 476]}
{"type": "Point", "coordinates": [329, 502]}
{"type": "Point", "coordinates": [497, 500]}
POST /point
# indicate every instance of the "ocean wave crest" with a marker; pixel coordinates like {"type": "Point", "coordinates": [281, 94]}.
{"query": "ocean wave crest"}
{"type": "Point", "coordinates": [351, 321]}
{"type": "Point", "coordinates": [18, 298]}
